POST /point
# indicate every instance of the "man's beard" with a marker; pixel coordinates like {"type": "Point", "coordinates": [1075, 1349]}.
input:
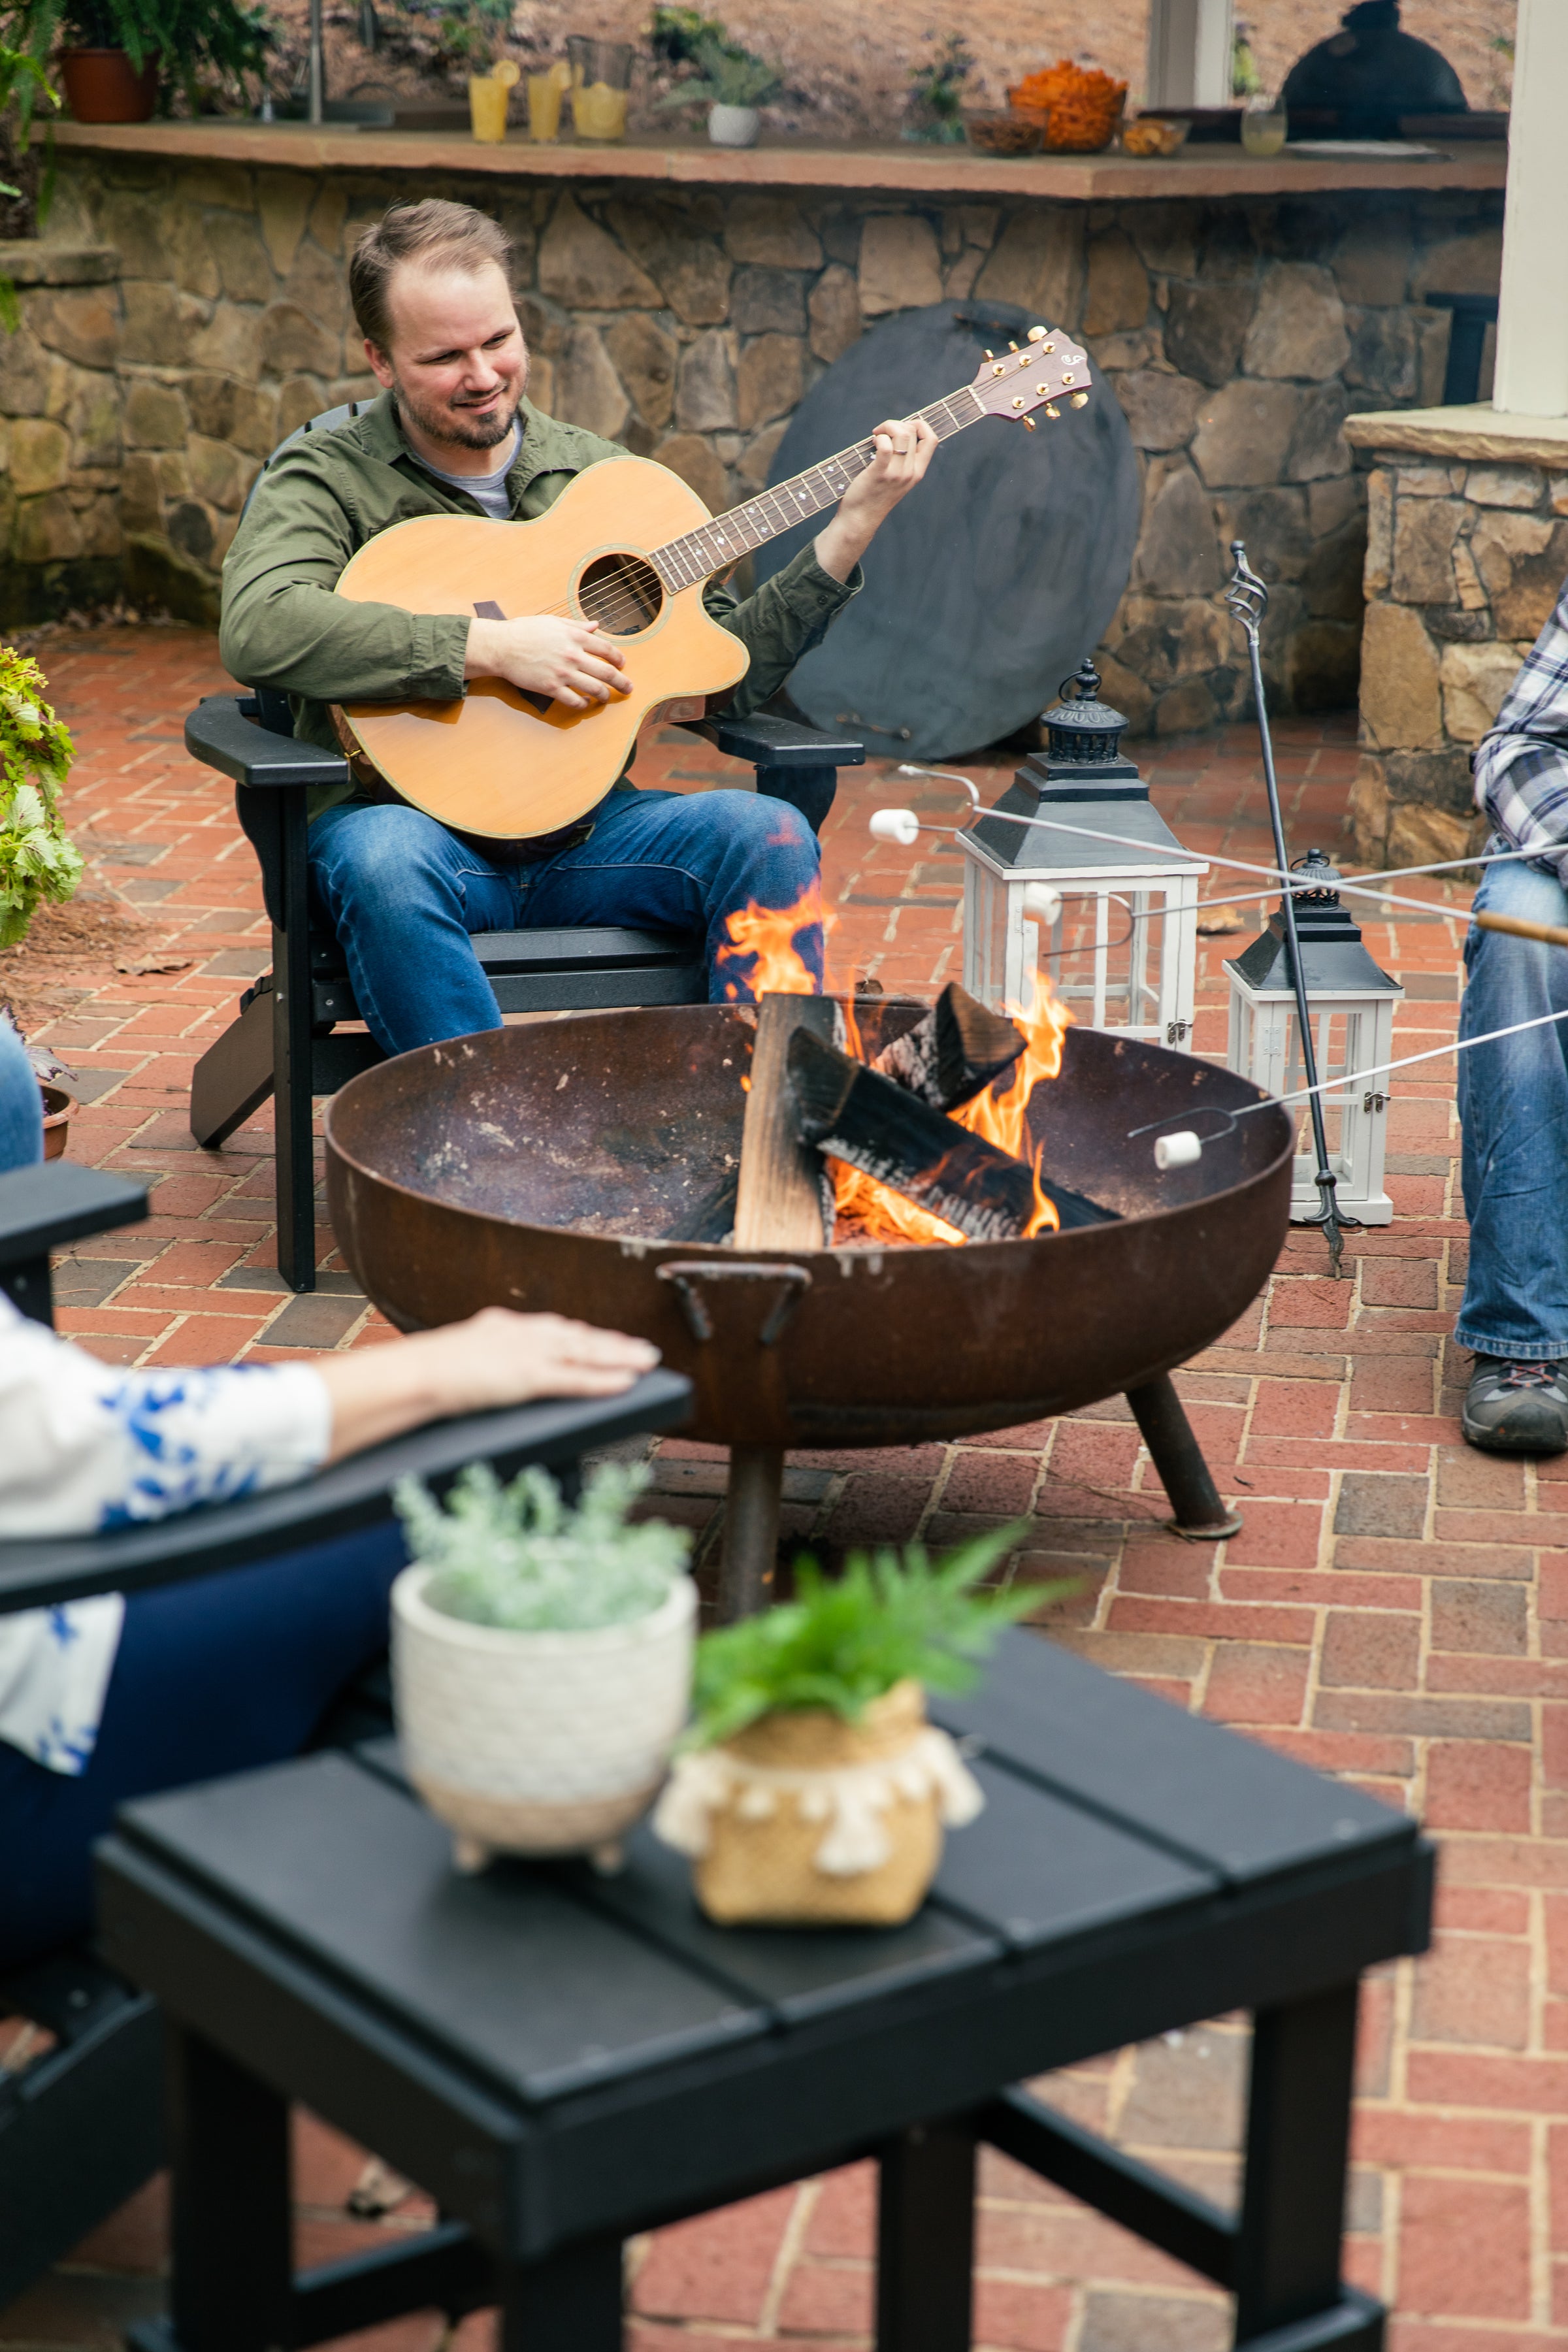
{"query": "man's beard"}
{"type": "Point", "coordinates": [450, 425]}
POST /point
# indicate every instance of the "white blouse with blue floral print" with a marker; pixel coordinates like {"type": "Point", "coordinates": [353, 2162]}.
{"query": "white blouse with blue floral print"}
{"type": "Point", "coordinates": [84, 1445]}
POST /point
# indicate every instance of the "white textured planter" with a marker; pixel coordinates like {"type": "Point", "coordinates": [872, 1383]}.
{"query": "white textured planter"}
{"type": "Point", "coordinates": [537, 1743]}
{"type": "Point", "coordinates": [733, 126]}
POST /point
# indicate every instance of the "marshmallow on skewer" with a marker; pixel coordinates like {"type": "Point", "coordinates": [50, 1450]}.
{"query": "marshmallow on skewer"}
{"type": "Point", "coordinates": [1182, 1149]}
{"type": "Point", "coordinates": [1042, 904]}
{"type": "Point", "coordinates": [902, 825]}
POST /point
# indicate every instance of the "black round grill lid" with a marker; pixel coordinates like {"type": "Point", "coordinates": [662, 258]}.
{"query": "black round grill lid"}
{"type": "Point", "coordinates": [983, 588]}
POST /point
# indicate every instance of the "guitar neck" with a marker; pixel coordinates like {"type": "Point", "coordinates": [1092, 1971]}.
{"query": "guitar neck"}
{"type": "Point", "coordinates": [682, 562]}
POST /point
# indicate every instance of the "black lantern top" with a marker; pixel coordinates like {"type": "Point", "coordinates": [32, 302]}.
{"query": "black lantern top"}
{"type": "Point", "coordinates": [1334, 959]}
{"type": "Point", "coordinates": [1080, 729]}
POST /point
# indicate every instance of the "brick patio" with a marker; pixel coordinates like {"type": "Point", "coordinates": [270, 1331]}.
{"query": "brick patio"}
{"type": "Point", "coordinates": [1396, 1610]}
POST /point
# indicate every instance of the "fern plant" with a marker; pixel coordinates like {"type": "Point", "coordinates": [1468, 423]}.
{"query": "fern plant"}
{"type": "Point", "coordinates": [228, 38]}
{"type": "Point", "coordinates": [523, 1559]}
{"type": "Point", "coordinates": [839, 1645]}
{"type": "Point", "coordinates": [727, 75]}
{"type": "Point", "coordinates": [36, 857]}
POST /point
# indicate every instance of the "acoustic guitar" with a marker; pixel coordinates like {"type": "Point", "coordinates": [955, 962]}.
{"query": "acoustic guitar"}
{"type": "Point", "coordinates": [628, 544]}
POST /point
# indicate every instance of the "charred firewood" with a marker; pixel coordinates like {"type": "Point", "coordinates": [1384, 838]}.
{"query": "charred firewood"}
{"type": "Point", "coordinates": [785, 1197]}
{"type": "Point", "coordinates": [958, 1048]}
{"type": "Point", "coordinates": [854, 1113]}
{"type": "Point", "coordinates": [710, 1218]}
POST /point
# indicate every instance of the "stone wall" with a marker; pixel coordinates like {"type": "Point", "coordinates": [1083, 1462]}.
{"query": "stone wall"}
{"type": "Point", "coordinates": [60, 431]}
{"type": "Point", "coordinates": [1237, 336]}
{"type": "Point", "coordinates": [1464, 563]}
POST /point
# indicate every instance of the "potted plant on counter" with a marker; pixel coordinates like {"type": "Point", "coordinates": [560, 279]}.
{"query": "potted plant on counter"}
{"type": "Point", "coordinates": [540, 1660]}
{"type": "Point", "coordinates": [732, 84]}
{"type": "Point", "coordinates": [119, 58]}
{"type": "Point", "coordinates": [812, 1790]}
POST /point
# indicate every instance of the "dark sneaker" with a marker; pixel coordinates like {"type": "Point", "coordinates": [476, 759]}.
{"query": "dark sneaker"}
{"type": "Point", "coordinates": [1515, 1408]}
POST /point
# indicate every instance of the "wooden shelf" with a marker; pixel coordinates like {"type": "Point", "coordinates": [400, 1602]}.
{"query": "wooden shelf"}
{"type": "Point", "coordinates": [1204, 171]}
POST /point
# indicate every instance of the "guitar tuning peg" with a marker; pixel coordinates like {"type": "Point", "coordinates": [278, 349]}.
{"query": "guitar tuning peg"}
{"type": "Point", "coordinates": [1052, 411]}
{"type": "Point", "coordinates": [990, 355]}
{"type": "Point", "coordinates": [1080, 400]}
{"type": "Point", "coordinates": [1012, 347]}
{"type": "Point", "coordinates": [1037, 334]}
{"type": "Point", "coordinates": [1028, 424]}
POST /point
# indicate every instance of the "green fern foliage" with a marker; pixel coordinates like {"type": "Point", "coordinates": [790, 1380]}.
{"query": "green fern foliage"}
{"type": "Point", "coordinates": [840, 1643]}
{"type": "Point", "coordinates": [36, 857]}
{"type": "Point", "coordinates": [521, 1558]}
{"type": "Point", "coordinates": [226, 39]}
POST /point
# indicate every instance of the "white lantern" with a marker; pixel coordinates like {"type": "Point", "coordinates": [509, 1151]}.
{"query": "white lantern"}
{"type": "Point", "coordinates": [1351, 1004]}
{"type": "Point", "coordinates": [1117, 914]}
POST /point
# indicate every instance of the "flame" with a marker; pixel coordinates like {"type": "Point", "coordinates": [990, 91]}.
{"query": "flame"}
{"type": "Point", "coordinates": [768, 933]}
{"type": "Point", "coordinates": [1000, 1117]}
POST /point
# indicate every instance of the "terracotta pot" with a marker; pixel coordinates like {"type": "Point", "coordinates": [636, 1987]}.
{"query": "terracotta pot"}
{"type": "Point", "coordinates": [803, 1820]}
{"type": "Point", "coordinates": [57, 1109]}
{"type": "Point", "coordinates": [103, 86]}
{"type": "Point", "coordinates": [537, 1743]}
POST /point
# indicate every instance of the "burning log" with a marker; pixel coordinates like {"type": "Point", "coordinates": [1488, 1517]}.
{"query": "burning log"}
{"type": "Point", "coordinates": [853, 1112]}
{"type": "Point", "coordinates": [785, 1199]}
{"type": "Point", "coordinates": [955, 1050]}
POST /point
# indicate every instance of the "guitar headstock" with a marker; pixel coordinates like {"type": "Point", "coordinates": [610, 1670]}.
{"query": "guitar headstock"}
{"type": "Point", "coordinates": [1049, 368]}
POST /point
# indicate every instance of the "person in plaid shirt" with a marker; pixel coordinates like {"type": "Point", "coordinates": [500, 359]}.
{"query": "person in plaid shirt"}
{"type": "Point", "coordinates": [1513, 1096]}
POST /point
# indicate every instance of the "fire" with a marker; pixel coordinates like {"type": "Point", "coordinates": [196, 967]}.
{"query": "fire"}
{"type": "Point", "coordinates": [769, 933]}
{"type": "Point", "coordinates": [998, 1114]}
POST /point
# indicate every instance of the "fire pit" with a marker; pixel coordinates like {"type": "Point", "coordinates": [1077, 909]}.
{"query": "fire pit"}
{"type": "Point", "coordinates": [554, 1166]}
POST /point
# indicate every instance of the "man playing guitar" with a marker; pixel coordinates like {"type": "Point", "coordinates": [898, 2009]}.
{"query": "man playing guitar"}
{"type": "Point", "coordinates": [453, 434]}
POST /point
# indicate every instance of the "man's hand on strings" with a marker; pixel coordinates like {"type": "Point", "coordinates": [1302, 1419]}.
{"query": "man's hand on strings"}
{"type": "Point", "coordinates": [572, 661]}
{"type": "Point", "coordinates": [904, 449]}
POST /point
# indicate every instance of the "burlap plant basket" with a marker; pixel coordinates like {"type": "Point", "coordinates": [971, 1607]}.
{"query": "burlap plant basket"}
{"type": "Point", "coordinates": [803, 1820]}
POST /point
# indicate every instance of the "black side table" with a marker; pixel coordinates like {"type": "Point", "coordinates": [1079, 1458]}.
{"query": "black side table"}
{"type": "Point", "coordinates": [562, 2061]}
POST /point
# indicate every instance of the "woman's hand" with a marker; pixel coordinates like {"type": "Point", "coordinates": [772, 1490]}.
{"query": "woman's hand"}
{"type": "Point", "coordinates": [904, 449]}
{"type": "Point", "coordinates": [496, 1358]}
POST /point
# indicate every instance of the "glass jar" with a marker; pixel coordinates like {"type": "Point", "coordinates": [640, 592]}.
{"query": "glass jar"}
{"type": "Point", "coordinates": [601, 83]}
{"type": "Point", "coordinates": [545, 91]}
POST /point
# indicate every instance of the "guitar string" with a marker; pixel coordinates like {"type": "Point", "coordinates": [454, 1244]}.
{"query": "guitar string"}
{"type": "Point", "coordinates": [618, 601]}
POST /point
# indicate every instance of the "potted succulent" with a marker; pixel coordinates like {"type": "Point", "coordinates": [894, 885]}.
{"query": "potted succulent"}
{"type": "Point", "coordinates": [936, 93]}
{"type": "Point", "coordinates": [121, 58]}
{"type": "Point", "coordinates": [812, 1790]}
{"type": "Point", "coordinates": [541, 1660]}
{"type": "Point", "coordinates": [732, 83]}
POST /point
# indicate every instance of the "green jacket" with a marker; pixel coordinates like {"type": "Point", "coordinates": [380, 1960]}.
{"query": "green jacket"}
{"type": "Point", "coordinates": [328, 493]}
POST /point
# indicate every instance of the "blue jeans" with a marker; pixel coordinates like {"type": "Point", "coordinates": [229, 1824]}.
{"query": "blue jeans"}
{"type": "Point", "coordinates": [404, 895]}
{"type": "Point", "coordinates": [222, 1675]}
{"type": "Point", "coordinates": [21, 1105]}
{"type": "Point", "coordinates": [1513, 1104]}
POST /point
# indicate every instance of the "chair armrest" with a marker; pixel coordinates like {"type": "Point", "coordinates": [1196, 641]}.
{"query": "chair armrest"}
{"type": "Point", "coordinates": [44, 1207]}
{"type": "Point", "coordinates": [354, 1493]}
{"type": "Point", "coordinates": [780, 743]}
{"type": "Point", "coordinates": [221, 734]}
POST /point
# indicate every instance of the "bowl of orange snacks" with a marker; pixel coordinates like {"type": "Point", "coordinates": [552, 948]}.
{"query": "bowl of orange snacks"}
{"type": "Point", "coordinates": [1079, 105]}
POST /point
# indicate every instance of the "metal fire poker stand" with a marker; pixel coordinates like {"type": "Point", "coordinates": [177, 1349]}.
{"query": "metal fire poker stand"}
{"type": "Point", "coordinates": [1248, 598]}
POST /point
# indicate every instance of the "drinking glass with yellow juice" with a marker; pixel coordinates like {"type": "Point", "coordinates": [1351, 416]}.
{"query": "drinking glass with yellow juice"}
{"type": "Point", "coordinates": [488, 98]}
{"type": "Point", "coordinates": [545, 91]}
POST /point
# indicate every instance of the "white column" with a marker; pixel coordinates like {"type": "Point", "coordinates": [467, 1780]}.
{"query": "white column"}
{"type": "Point", "coordinates": [1189, 53]}
{"type": "Point", "coordinates": [1531, 377]}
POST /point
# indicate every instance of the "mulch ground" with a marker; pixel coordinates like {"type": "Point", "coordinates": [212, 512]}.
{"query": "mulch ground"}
{"type": "Point", "coordinates": [1395, 1609]}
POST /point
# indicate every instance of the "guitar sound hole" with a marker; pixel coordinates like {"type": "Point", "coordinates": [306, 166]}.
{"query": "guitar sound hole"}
{"type": "Point", "coordinates": [622, 593]}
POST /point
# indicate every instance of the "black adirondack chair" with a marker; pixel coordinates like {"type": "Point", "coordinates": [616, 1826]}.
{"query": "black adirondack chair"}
{"type": "Point", "coordinates": [82, 2128]}
{"type": "Point", "coordinates": [288, 1040]}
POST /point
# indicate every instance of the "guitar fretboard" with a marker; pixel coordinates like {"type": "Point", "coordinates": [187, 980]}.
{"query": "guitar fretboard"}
{"type": "Point", "coordinates": [682, 562]}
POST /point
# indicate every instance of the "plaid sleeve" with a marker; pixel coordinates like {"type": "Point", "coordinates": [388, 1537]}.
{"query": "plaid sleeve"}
{"type": "Point", "coordinates": [1521, 763]}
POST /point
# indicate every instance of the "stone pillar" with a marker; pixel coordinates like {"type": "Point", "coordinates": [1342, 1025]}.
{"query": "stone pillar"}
{"type": "Point", "coordinates": [60, 431]}
{"type": "Point", "coordinates": [1532, 378]}
{"type": "Point", "coordinates": [1467, 550]}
